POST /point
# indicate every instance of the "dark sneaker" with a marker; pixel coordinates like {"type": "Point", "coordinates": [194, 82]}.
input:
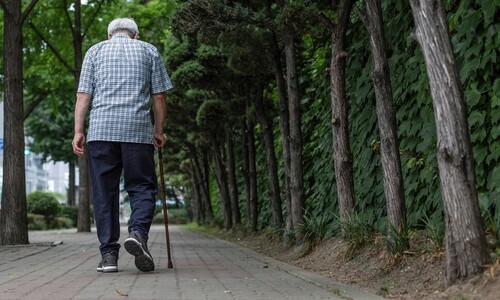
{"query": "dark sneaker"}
{"type": "Point", "coordinates": [108, 264]}
{"type": "Point", "coordinates": [99, 266]}
{"type": "Point", "coordinates": [136, 246]}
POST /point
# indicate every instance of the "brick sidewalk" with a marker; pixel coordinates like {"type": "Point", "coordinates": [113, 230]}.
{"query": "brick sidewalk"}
{"type": "Point", "coordinates": [204, 268]}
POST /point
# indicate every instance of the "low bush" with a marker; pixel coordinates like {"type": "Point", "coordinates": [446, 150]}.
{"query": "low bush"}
{"type": "Point", "coordinates": [70, 212]}
{"type": "Point", "coordinates": [36, 222]}
{"type": "Point", "coordinates": [62, 222]}
{"type": "Point", "coordinates": [45, 212]}
{"type": "Point", "coordinates": [175, 216]}
{"type": "Point", "coordinates": [315, 229]}
{"type": "Point", "coordinates": [43, 203]}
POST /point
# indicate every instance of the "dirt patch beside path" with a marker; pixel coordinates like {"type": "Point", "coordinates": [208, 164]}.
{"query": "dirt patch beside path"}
{"type": "Point", "coordinates": [412, 275]}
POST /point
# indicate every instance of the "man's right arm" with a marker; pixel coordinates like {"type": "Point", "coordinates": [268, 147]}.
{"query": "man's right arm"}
{"type": "Point", "coordinates": [81, 108]}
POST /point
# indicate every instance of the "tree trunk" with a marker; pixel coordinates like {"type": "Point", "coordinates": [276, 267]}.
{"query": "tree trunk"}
{"type": "Point", "coordinates": [233, 184]}
{"type": "Point", "coordinates": [83, 222]}
{"type": "Point", "coordinates": [386, 113]}
{"type": "Point", "coordinates": [252, 200]}
{"type": "Point", "coordinates": [285, 136]}
{"type": "Point", "coordinates": [272, 164]}
{"type": "Point", "coordinates": [466, 247]}
{"type": "Point", "coordinates": [296, 170]}
{"type": "Point", "coordinates": [84, 188]}
{"type": "Point", "coordinates": [252, 172]}
{"type": "Point", "coordinates": [13, 215]}
{"type": "Point", "coordinates": [220, 170]}
{"type": "Point", "coordinates": [205, 184]}
{"type": "Point", "coordinates": [196, 203]}
{"type": "Point", "coordinates": [205, 210]}
{"type": "Point", "coordinates": [71, 184]}
{"type": "Point", "coordinates": [342, 155]}
{"type": "Point", "coordinates": [245, 170]}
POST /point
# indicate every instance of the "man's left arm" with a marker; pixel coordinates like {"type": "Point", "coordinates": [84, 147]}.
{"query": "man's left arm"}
{"type": "Point", "coordinates": [160, 114]}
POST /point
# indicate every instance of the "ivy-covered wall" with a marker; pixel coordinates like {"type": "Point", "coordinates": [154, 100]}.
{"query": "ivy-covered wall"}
{"type": "Point", "coordinates": [475, 27]}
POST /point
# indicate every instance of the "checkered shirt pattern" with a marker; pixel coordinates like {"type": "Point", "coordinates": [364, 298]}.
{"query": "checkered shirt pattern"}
{"type": "Point", "coordinates": [121, 74]}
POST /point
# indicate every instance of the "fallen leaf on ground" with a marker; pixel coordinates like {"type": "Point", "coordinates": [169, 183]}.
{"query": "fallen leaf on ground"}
{"type": "Point", "coordinates": [122, 293]}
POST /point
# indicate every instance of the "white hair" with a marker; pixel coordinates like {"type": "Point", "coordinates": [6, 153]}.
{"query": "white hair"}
{"type": "Point", "coordinates": [122, 24]}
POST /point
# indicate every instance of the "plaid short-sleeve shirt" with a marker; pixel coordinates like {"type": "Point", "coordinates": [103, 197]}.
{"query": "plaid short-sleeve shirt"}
{"type": "Point", "coordinates": [121, 74]}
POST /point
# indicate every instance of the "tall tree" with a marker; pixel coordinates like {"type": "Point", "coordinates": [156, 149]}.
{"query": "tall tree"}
{"type": "Point", "coordinates": [342, 155]}
{"type": "Point", "coordinates": [284, 118]}
{"type": "Point", "coordinates": [466, 247]}
{"type": "Point", "coordinates": [233, 184]}
{"type": "Point", "coordinates": [208, 117]}
{"type": "Point", "coordinates": [247, 50]}
{"type": "Point", "coordinates": [386, 113]}
{"type": "Point", "coordinates": [78, 34]}
{"type": "Point", "coordinates": [253, 198]}
{"type": "Point", "coordinates": [288, 35]}
{"type": "Point", "coordinates": [83, 223]}
{"type": "Point", "coordinates": [272, 164]}
{"type": "Point", "coordinates": [13, 215]}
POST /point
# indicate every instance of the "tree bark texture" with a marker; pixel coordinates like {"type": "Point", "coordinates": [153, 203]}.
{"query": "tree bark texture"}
{"type": "Point", "coordinates": [272, 163]}
{"type": "Point", "coordinates": [196, 204]}
{"type": "Point", "coordinates": [205, 171]}
{"type": "Point", "coordinates": [245, 170]}
{"type": "Point", "coordinates": [285, 135]}
{"type": "Point", "coordinates": [84, 188]}
{"type": "Point", "coordinates": [201, 183]}
{"type": "Point", "coordinates": [296, 169]}
{"type": "Point", "coordinates": [342, 155]}
{"type": "Point", "coordinates": [220, 170]}
{"type": "Point", "coordinates": [466, 247]}
{"type": "Point", "coordinates": [252, 175]}
{"type": "Point", "coordinates": [386, 113]}
{"type": "Point", "coordinates": [200, 209]}
{"type": "Point", "coordinates": [83, 222]}
{"type": "Point", "coordinates": [71, 184]}
{"type": "Point", "coordinates": [233, 184]}
{"type": "Point", "coordinates": [13, 215]}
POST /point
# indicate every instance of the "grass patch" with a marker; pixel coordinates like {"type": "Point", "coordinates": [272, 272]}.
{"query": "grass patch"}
{"type": "Point", "coordinates": [195, 227]}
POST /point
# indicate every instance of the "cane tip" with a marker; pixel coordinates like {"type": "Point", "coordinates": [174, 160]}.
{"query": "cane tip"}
{"type": "Point", "coordinates": [170, 265]}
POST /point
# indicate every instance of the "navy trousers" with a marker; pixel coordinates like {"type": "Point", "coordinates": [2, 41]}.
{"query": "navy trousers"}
{"type": "Point", "coordinates": [106, 162]}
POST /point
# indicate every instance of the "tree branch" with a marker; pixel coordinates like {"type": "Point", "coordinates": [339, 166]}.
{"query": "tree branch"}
{"type": "Point", "coordinates": [68, 17]}
{"type": "Point", "coordinates": [329, 23]}
{"type": "Point", "coordinates": [34, 104]}
{"type": "Point", "coordinates": [28, 10]}
{"type": "Point", "coordinates": [51, 47]}
{"type": "Point", "coordinates": [363, 16]}
{"type": "Point", "coordinates": [91, 21]}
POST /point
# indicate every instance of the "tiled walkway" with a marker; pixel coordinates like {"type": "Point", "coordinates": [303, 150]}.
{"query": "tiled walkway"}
{"type": "Point", "coordinates": [204, 268]}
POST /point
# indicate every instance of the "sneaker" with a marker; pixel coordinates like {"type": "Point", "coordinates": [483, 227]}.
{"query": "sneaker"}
{"type": "Point", "coordinates": [108, 264]}
{"type": "Point", "coordinates": [99, 266]}
{"type": "Point", "coordinates": [136, 246]}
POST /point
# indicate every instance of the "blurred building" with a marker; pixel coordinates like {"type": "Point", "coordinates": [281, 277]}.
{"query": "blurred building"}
{"type": "Point", "coordinates": [36, 176]}
{"type": "Point", "coordinates": [57, 177]}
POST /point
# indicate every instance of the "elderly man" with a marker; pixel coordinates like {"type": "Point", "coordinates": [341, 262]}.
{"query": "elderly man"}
{"type": "Point", "coordinates": [119, 78]}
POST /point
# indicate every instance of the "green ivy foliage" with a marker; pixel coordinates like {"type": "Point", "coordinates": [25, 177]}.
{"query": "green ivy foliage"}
{"type": "Point", "coordinates": [474, 28]}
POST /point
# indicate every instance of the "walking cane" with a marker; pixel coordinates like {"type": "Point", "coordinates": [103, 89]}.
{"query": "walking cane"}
{"type": "Point", "coordinates": [164, 203]}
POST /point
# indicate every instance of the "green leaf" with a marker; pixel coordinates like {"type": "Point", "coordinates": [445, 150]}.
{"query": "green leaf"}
{"type": "Point", "coordinates": [494, 153]}
{"type": "Point", "coordinates": [495, 101]}
{"type": "Point", "coordinates": [495, 132]}
{"type": "Point", "coordinates": [488, 9]}
{"type": "Point", "coordinates": [494, 182]}
{"type": "Point", "coordinates": [476, 118]}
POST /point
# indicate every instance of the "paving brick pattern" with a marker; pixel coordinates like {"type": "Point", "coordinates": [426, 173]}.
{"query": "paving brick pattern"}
{"type": "Point", "coordinates": [204, 268]}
